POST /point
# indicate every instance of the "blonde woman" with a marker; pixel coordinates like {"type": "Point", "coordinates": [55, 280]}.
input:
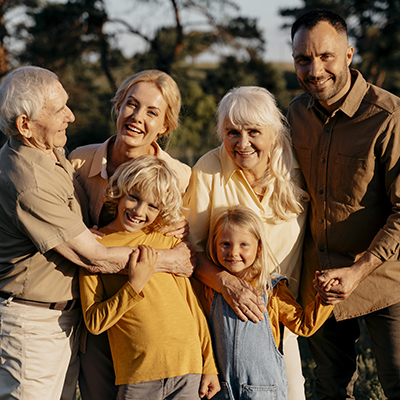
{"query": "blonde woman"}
{"type": "Point", "coordinates": [254, 167]}
{"type": "Point", "coordinates": [146, 106]}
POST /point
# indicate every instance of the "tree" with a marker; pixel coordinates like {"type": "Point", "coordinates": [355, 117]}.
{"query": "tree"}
{"type": "Point", "coordinates": [375, 28]}
{"type": "Point", "coordinates": [5, 7]}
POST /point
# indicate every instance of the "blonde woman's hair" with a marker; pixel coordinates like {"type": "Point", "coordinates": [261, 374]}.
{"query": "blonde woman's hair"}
{"type": "Point", "coordinates": [147, 175]}
{"type": "Point", "coordinates": [256, 106]}
{"type": "Point", "coordinates": [245, 218]}
{"type": "Point", "coordinates": [168, 88]}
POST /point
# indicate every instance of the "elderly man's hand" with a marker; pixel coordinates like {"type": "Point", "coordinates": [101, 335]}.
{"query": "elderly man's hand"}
{"type": "Point", "coordinates": [181, 260]}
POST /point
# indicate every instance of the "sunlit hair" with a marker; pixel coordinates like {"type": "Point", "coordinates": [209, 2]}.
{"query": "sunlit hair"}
{"type": "Point", "coordinates": [242, 217]}
{"type": "Point", "coordinates": [255, 106]}
{"type": "Point", "coordinates": [168, 88]}
{"type": "Point", "coordinates": [152, 178]}
{"type": "Point", "coordinates": [23, 92]}
{"type": "Point", "coordinates": [311, 18]}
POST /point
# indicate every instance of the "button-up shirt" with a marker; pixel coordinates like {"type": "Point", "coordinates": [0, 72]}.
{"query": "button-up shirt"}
{"type": "Point", "coordinates": [217, 182]}
{"type": "Point", "coordinates": [351, 164]}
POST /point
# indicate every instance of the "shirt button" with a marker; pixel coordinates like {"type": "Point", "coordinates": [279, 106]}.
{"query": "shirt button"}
{"type": "Point", "coordinates": [327, 129]}
{"type": "Point", "coordinates": [321, 191]}
{"type": "Point", "coordinates": [320, 220]}
{"type": "Point", "coordinates": [323, 161]}
{"type": "Point", "coordinates": [321, 249]}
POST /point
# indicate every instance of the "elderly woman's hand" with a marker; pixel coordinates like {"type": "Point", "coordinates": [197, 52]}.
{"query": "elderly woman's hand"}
{"type": "Point", "coordinates": [242, 297]}
{"type": "Point", "coordinates": [181, 260]}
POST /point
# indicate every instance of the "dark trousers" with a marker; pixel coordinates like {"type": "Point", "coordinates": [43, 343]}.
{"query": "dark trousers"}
{"type": "Point", "coordinates": [333, 349]}
{"type": "Point", "coordinates": [97, 377]}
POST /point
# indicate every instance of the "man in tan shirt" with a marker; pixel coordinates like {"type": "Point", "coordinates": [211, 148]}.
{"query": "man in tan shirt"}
{"type": "Point", "coordinates": [346, 134]}
{"type": "Point", "coordinates": [42, 240]}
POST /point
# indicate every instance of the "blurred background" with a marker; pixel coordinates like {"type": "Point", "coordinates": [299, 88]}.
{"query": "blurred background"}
{"type": "Point", "coordinates": [208, 46]}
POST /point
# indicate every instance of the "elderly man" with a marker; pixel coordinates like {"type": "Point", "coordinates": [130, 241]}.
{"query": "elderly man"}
{"type": "Point", "coordinates": [42, 240]}
{"type": "Point", "coordinates": [346, 133]}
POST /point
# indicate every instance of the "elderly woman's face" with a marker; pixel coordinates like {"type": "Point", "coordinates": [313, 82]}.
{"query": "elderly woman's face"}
{"type": "Point", "coordinates": [248, 146]}
{"type": "Point", "coordinates": [141, 116]}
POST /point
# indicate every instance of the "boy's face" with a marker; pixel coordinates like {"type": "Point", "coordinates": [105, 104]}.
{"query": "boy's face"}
{"type": "Point", "coordinates": [135, 212]}
{"type": "Point", "coordinates": [236, 249]}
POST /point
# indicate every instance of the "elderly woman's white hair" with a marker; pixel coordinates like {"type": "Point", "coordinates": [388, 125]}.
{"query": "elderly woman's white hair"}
{"type": "Point", "coordinates": [256, 106]}
{"type": "Point", "coordinates": [23, 92]}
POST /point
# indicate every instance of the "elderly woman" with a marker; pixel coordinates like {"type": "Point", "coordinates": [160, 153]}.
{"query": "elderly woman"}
{"type": "Point", "coordinates": [147, 106]}
{"type": "Point", "coordinates": [254, 167]}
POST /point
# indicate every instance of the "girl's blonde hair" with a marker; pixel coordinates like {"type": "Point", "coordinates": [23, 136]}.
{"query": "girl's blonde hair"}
{"type": "Point", "coordinates": [147, 175]}
{"type": "Point", "coordinates": [168, 88]}
{"type": "Point", "coordinates": [256, 106]}
{"type": "Point", "coordinates": [245, 218]}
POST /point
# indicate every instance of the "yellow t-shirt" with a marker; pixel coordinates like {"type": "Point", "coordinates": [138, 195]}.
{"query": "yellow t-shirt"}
{"type": "Point", "coordinates": [159, 334]}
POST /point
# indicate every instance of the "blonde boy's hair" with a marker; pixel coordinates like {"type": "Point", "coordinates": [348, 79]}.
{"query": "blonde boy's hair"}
{"type": "Point", "coordinates": [168, 88]}
{"type": "Point", "coordinates": [247, 219]}
{"type": "Point", "coordinates": [256, 106]}
{"type": "Point", "coordinates": [147, 174]}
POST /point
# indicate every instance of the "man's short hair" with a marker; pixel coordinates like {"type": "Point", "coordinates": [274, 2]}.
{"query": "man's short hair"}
{"type": "Point", "coordinates": [311, 18]}
{"type": "Point", "coordinates": [23, 91]}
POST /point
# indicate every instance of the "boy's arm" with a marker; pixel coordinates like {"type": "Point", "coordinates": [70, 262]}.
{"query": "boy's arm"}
{"type": "Point", "coordinates": [302, 322]}
{"type": "Point", "coordinates": [99, 312]}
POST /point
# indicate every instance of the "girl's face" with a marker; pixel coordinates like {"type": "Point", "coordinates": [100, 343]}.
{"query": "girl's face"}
{"type": "Point", "coordinates": [135, 212]}
{"type": "Point", "coordinates": [236, 249]}
{"type": "Point", "coordinates": [141, 116]}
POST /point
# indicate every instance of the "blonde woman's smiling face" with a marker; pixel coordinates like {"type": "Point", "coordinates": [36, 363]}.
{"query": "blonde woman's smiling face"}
{"type": "Point", "coordinates": [141, 117]}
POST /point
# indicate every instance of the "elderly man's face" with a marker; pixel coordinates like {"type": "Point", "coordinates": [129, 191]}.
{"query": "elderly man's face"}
{"type": "Point", "coordinates": [322, 58]}
{"type": "Point", "coordinates": [49, 131]}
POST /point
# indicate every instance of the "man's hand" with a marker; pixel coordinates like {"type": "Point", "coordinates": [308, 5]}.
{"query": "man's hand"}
{"type": "Point", "coordinates": [142, 265]}
{"type": "Point", "coordinates": [335, 285]}
{"type": "Point", "coordinates": [180, 230]}
{"type": "Point", "coordinates": [243, 298]}
{"type": "Point", "coordinates": [209, 386]}
{"type": "Point", "coordinates": [181, 260]}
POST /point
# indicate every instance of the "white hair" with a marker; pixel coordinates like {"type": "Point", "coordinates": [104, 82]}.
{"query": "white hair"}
{"type": "Point", "coordinates": [23, 92]}
{"type": "Point", "coordinates": [253, 105]}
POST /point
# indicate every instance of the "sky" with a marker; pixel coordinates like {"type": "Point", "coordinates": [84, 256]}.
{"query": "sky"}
{"type": "Point", "coordinates": [266, 11]}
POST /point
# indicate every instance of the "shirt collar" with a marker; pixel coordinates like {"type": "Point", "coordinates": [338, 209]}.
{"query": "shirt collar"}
{"type": "Point", "coordinates": [99, 164]}
{"type": "Point", "coordinates": [353, 98]}
{"type": "Point", "coordinates": [34, 155]}
{"type": "Point", "coordinates": [228, 167]}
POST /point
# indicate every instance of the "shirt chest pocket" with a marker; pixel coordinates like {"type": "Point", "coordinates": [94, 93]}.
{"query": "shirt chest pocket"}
{"type": "Point", "coordinates": [350, 178]}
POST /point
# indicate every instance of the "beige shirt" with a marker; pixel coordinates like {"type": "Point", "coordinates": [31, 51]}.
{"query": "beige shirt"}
{"type": "Point", "coordinates": [91, 164]}
{"type": "Point", "coordinates": [217, 182]}
{"type": "Point", "coordinates": [39, 209]}
{"type": "Point", "coordinates": [351, 164]}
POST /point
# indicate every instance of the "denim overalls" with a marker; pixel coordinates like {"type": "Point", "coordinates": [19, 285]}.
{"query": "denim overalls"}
{"type": "Point", "coordinates": [250, 365]}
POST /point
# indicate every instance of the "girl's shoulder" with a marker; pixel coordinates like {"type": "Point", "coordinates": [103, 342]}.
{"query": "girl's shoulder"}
{"type": "Point", "coordinates": [276, 278]}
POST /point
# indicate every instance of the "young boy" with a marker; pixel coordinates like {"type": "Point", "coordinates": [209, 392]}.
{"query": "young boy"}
{"type": "Point", "coordinates": [159, 338]}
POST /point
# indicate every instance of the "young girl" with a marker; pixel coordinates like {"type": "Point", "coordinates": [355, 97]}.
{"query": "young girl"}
{"type": "Point", "coordinates": [159, 338]}
{"type": "Point", "coordinates": [248, 359]}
